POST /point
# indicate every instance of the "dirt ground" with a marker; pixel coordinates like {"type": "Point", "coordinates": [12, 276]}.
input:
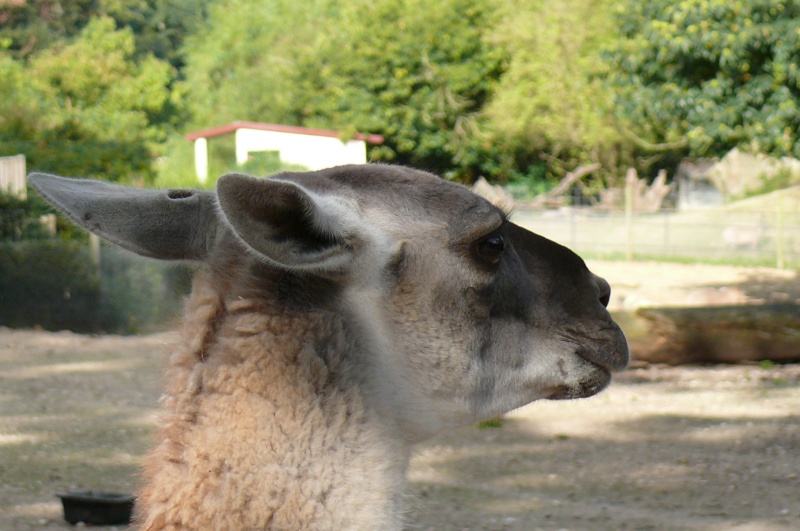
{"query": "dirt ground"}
{"type": "Point", "coordinates": [700, 448]}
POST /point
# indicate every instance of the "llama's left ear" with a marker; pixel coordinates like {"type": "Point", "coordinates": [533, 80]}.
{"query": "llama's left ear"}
{"type": "Point", "coordinates": [164, 224]}
{"type": "Point", "coordinates": [289, 226]}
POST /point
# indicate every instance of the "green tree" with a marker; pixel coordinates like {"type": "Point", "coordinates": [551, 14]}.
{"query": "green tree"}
{"type": "Point", "coordinates": [551, 104]}
{"type": "Point", "coordinates": [20, 105]}
{"type": "Point", "coordinates": [85, 108]}
{"type": "Point", "coordinates": [240, 64]}
{"type": "Point", "coordinates": [416, 72]}
{"type": "Point", "coordinates": [709, 75]}
{"type": "Point", "coordinates": [159, 26]}
{"type": "Point", "coordinates": [30, 26]}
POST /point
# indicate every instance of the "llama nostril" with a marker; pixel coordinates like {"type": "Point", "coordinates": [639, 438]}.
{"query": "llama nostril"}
{"type": "Point", "coordinates": [604, 290]}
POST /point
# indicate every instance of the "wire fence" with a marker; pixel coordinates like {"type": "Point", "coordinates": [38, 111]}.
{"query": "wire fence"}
{"type": "Point", "coordinates": [56, 277]}
{"type": "Point", "coordinates": [52, 275]}
{"type": "Point", "coordinates": [16, 225]}
{"type": "Point", "coordinates": [764, 237]}
{"type": "Point", "coordinates": [768, 238]}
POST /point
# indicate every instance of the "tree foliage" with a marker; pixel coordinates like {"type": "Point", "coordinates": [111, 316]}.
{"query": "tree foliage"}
{"type": "Point", "coordinates": [551, 104]}
{"type": "Point", "coordinates": [27, 27]}
{"type": "Point", "coordinates": [241, 64]}
{"type": "Point", "coordinates": [548, 96]}
{"type": "Point", "coordinates": [710, 75]}
{"type": "Point", "coordinates": [159, 26]}
{"type": "Point", "coordinates": [460, 87]}
{"type": "Point", "coordinates": [85, 107]}
{"type": "Point", "coordinates": [415, 71]}
{"type": "Point", "coordinates": [87, 86]}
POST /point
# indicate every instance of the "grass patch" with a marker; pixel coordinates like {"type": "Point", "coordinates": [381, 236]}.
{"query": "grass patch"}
{"type": "Point", "coordinates": [496, 422]}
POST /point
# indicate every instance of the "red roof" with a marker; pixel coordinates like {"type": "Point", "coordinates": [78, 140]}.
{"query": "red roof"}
{"type": "Point", "coordinates": [233, 126]}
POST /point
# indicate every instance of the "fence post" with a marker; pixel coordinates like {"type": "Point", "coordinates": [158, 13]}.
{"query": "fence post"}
{"type": "Point", "coordinates": [573, 228]}
{"type": "Point", "coordinates": [94, 250]}
{"type": "Point", "coordinates": [630, 184]}
{"type": "Point", "coordinates": [780, 243]}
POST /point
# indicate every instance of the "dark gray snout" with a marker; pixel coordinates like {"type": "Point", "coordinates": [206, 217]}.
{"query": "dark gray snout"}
{"type": "Point", "coordinates": [604, 291]}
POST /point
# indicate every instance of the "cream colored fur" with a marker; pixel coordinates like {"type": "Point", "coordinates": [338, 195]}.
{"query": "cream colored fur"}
{"type": "Point", "coordinates": [255, 435]}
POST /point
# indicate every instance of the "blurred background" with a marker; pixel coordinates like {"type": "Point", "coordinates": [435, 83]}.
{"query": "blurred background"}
{"type": "Point", "coordinates": [624, 129]}
{"type": "Point", "coordinates": [659, 139]}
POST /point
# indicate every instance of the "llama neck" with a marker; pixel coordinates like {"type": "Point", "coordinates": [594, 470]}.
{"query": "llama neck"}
{"type": "Point", "coordinates": [262, 428]}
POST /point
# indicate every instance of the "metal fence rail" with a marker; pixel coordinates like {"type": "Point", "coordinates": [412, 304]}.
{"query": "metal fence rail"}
{"type": "Point", "coordinates": [754, 237]}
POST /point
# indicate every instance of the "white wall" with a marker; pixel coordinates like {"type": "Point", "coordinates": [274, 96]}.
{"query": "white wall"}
{"type": "Point", "coordinates": [201, 159]}
{"type": "Point", "coordinates": [313, 152]}
{"type": "Point", "coordinates": [12, 176]}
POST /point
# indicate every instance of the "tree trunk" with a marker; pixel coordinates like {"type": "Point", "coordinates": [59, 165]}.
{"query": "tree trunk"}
{"type": "Point", "coordinates": [721, 334]}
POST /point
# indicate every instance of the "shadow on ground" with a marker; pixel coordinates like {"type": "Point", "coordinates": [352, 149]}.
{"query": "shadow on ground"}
{"type": "Point", "coordinates": [696, 448]}
{"type": "Point", "coordinates": [697, 457]}
{"type": "Point", "coordinates": [759, 287]}
{"type": "Point", "coordinates": [75, 413]}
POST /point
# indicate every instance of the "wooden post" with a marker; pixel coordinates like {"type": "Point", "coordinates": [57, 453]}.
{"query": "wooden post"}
{"type": "Point", "coordinates": [12, 176]}
{"type": "Point", "coordinates": [630, 198]}
{"type": "Point", "coordinates": [201, 159]}
{"type": "Point", "coordinates": [94, 251]}
{"type": "Point", "coordinates": [780, 244]}
{"type": "Point", "coordinates": [573, 228]}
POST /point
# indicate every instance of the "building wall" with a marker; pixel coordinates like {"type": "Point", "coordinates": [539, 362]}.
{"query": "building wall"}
{"type": "Point", "coordinates": [12, 176]}
{"type": "Point", "coordinates": [313, 152]}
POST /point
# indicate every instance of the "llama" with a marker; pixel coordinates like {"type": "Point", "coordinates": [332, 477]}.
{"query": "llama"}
{"type": "Point", "coordinates": [340, 317]}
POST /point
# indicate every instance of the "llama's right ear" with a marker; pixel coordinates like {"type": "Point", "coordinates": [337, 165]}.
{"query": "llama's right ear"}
{"type": "Point", "coordinates": [165, 224]}
{"type": "Point", "coordinates": [289, 226]}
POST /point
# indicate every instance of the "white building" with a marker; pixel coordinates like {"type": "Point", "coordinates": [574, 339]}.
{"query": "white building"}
{"type": "Point", "coordinates": [313, 148]}
{"type": "Point", "coordinates": [12, 176]}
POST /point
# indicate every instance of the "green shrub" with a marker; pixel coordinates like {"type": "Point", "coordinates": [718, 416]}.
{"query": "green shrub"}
{"type": "Point", "coordinates": [19, 218]}
{"type": "Point", "coordinates": [53, 284]}
{"type": "Point", "coordinates": [48, 283]}
{"type": "Point", "coordinates": [496, 422]}
{"type": "Point", "coordinates": [138, 294]}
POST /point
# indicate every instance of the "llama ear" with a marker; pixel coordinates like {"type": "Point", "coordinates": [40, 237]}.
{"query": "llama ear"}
{"type": "Point", "coordinates": [164, 224]}
{"type": "Point", "coordinates": [287, 225]}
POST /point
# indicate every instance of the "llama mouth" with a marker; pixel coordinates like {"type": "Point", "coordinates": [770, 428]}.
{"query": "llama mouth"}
{"type": "Point", "coordinates": [589, 386]}
{"type": "Point", "coordinates": [607, 349]}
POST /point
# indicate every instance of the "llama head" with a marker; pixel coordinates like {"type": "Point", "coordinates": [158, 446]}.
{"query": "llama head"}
{"type": "Point", "coordinates": [454, 313]}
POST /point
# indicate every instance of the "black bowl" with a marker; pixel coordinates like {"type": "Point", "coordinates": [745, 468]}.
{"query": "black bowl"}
{"type": "Point", "coordinates": [97, 508]}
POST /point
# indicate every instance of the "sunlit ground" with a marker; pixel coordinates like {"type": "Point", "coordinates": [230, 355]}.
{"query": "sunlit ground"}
{"type": "Point", "coordinates": [699, 448]}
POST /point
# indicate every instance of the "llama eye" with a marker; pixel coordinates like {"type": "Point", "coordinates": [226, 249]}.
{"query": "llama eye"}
{"type": "Point", "coordinates": [490, 249]}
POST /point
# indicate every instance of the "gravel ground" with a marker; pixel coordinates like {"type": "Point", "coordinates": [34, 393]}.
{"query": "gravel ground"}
{"type": "Point", "coordinates": [701, 448]}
